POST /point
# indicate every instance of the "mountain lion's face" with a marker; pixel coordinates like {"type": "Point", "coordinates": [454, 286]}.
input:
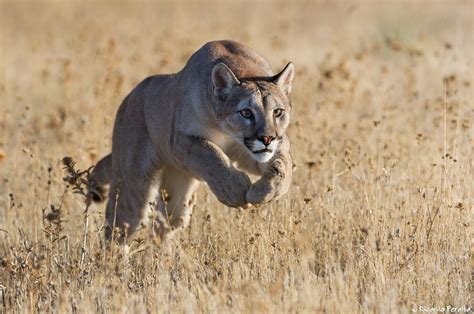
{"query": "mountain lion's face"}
{"type": "Point", "coordinates": [254, 113]}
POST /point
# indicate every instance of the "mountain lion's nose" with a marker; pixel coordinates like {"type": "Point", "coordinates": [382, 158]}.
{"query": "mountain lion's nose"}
{"type": "Point", "coordinates": [266, 139]}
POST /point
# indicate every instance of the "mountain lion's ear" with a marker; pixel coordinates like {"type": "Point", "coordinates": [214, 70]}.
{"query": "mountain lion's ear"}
{"type": "Point", "coordinates": [285, 77]}
{"type": "Point", "coordinates": [224, 80]}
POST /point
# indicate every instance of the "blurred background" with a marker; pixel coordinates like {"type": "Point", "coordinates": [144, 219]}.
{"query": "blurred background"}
{"type": "Point", "coordinates": [76, 60]}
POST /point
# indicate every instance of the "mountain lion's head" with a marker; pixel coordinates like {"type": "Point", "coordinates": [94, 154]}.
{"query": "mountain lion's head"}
{"type": "Point", "coordinates": [254, 112]}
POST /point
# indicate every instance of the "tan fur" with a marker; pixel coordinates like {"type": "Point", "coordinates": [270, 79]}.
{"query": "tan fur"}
{"type": "Point", "coordinates": [176, 130]}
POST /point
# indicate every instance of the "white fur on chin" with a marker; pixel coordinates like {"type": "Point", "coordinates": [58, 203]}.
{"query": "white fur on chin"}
{"type": "Point", "coordinates": [263, 157]}
{"type": "Point", "coordinates": [266, 156]}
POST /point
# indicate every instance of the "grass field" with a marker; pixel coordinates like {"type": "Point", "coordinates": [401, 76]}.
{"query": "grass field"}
{"type": "Point", "coordinates": [379, 217]}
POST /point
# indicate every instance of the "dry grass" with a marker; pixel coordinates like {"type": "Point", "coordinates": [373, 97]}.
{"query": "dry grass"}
{"type": "Point", "coordinates": [378, 219]}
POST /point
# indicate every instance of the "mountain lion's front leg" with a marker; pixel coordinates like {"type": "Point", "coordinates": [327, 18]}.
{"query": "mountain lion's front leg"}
{"type": "Point", "coordinates": [275, 180]}
{"type": "Point", "coordinates": [207, 161]}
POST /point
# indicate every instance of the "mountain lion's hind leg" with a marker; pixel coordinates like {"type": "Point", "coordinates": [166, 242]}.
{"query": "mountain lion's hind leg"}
{"type": "Point", "coordinates": [126, 206]}
{"type": "Point", "coordinates": [175, 200]}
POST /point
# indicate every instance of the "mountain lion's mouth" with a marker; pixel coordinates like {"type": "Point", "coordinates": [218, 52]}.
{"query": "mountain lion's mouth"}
{"type": "Point", "coordinates": [265, 150]}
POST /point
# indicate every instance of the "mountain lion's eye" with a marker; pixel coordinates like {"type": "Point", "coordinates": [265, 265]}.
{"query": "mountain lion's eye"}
{"type": "Point", "coordinates": [277, 112]}
{"type": "Point", "coordinates": [246, 113]}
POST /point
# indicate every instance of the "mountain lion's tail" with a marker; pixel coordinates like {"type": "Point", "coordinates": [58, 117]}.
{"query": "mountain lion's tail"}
{"type": "Point", "coordinates": [99, 178]}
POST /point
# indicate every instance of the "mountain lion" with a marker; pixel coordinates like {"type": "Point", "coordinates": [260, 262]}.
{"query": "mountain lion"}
{"type": "Point", "coordinates": [224, 114]}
